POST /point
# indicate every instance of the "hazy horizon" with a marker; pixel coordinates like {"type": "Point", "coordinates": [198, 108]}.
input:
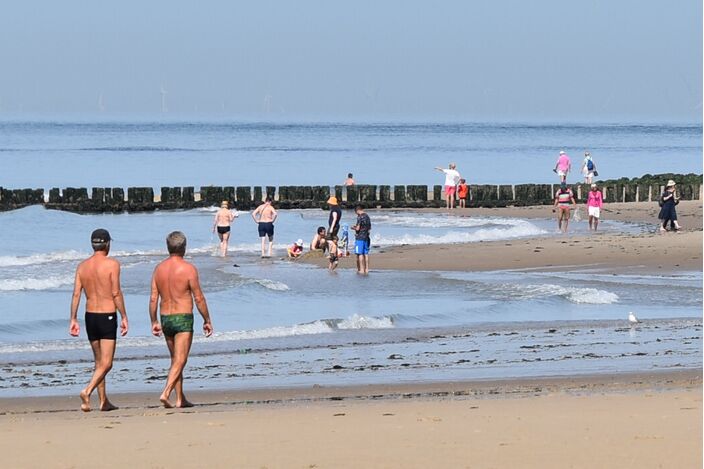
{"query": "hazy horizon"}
{"type": "Point", "coordinates": [504, 61]}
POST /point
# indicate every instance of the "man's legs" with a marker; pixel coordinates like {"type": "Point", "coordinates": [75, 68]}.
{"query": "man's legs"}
{"type": "Point", "coordinates": [179, 348]}
{"type": "Point", "coordinates": [271, 243]}
{"type": "Point", "coordinates": [263, 246]}
{"type": "Point", "coordinates": [365, 263]}
{"type": "Point", "coordinates": [103, 352]}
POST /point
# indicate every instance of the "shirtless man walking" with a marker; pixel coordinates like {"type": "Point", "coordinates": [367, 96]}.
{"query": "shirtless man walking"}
{"type": "Point", "coordinates": [175, 282]}
{"type": "Point", "coordinates": [223, 219]}
{"type": "Point", "coordinates": [265, 216]}
{"type": "Point", "coordinates": [99, 277]}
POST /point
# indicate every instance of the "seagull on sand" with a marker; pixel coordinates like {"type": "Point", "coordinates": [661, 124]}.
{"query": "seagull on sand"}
{"type": "Point", "coordinates": [632, 318]}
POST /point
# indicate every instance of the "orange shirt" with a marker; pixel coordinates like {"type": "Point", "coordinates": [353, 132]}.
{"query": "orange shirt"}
{"type": "Point", "coordinates": [462, 191]}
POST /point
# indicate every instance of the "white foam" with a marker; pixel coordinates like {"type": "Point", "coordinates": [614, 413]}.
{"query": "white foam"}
{"type": "Point", "coordinates": [321, 326]}
{"type": "Point", "coordinates": [572, 294]}
{"type": "Point", "coordinates": [270, 284]}
{"type": "Point", "coordinates": [441, 221]}
{"type": "Point", "coordinates": [46, 283]}
{"type": "Point", "coordinates": [316, 327]}
{"type": "Point", "coordinates": [34, 259]}
{"type": "Point", "coordinates": [365, 322]}
{"type": "Point", "coordinates": [517, 229]}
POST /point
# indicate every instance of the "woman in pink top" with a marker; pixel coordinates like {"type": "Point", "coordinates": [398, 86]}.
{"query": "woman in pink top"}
{"type": "Point", "coordinates": [563, 166]}
{"type": "Point", "coordinates": [594, 203]}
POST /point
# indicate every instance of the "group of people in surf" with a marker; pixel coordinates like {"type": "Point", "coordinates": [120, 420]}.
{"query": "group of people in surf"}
{"type": "Point", "coordinates": [564, 197]}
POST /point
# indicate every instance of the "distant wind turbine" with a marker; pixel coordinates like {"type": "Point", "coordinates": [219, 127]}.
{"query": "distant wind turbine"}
{"type": "Point", "coordinates": [164, 108]}
{"type": "Point", "coordinates": [101, 104]}
{"type": "Point", "coordinates": [267, 103]}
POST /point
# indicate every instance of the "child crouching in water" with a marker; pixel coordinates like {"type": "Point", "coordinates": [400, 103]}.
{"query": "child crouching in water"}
{"type": "Point", "coordinates": [296, 250]}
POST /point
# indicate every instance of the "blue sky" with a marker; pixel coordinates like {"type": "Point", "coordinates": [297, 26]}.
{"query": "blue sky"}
{"type": "Point", "coordinates": [619, 60]}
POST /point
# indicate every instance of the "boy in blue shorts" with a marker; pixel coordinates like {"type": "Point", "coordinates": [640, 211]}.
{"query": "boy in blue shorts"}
{"type": "Point", "coordinates": [362, 240]}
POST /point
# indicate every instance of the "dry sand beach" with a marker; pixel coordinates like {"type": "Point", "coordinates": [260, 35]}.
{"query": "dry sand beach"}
{"type": "Point", "coordinates": [644, 421]}
{"type": "Point", "coordinates": [628, 420]}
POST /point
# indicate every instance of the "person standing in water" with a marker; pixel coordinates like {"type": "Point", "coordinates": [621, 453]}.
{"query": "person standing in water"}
{"type": "Point", "coordinates": [350, 180]}
{"type": "Point", "coordinates": [333, 223]}
{"type": "Point", "coordinates": [175, 285]}
{"type": "Point", "coordinates": [265, 216]}
{"type": "Point", "coordinates": [223, 219]}
{"type": "Point", "coordinates": [99, 278]}
{"type": "Point", "coordinates": [362, 241]}
{"type": "Point", "coordinates": [564, 201]}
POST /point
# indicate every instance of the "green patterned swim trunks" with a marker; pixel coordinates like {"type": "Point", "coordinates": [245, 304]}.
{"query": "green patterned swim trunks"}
{"type": "Point", "coordinates": [172, 324]}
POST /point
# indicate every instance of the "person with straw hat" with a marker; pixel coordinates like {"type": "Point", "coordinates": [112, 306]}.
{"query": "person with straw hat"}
{"type": "Point", "coordinates": [668, 212]}
{"type": "Point", "coordinates": [333, 219]}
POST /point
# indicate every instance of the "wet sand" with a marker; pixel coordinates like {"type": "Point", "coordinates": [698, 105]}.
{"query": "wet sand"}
{"type": "Point", "coordinates": [652, 252]}
{"type": "Point", "coordinates": [633, 420]}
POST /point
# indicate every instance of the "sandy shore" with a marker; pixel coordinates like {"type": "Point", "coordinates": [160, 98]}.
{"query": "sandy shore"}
{"type": "Point", "coordinates": [619, 252]}
{"type": "Point", "coordinates": [634, 420]}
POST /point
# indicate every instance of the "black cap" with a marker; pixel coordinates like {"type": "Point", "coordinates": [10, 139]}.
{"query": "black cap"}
{"type": "Point", "coordinates": [100, 236]}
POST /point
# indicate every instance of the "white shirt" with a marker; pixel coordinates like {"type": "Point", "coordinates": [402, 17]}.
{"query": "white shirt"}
{"type": "Point", "coordinates": [452, 177]}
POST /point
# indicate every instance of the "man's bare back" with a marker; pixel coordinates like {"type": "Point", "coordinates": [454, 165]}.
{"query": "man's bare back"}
{"type": "Point", "coordinates": [224, 217]}
{"type": "Point", "coordinates": [267, 213]}
{"type": "Point", "coordinates": [99, 276]}
{"type": "Point", "coordinates": [176, 282]}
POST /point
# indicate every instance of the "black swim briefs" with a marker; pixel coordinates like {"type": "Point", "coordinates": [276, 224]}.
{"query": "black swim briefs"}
{"type": "Point", "coordinates": [223, 229]}
{"type": "Point", "coordinates": [101, 326]}
{"type": "Point", "coordinates": [266, 229]}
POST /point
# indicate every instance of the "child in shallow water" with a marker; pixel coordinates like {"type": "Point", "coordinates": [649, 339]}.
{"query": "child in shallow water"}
{"type": "Point", "coordinates": [344, 242]}
{"type": "Point", "coordinates": [333, 257]}
{"type": "Point", "coordinates": [296, 250]}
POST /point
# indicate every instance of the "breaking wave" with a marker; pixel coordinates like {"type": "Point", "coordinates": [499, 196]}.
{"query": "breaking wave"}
{"type": "Point", "coordinates": [321, 326]}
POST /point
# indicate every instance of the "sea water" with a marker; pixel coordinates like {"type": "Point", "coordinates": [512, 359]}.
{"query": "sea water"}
{"type": "Point", "coordinates": [107, 152]}
{"type": "Point", "coordinates": [283, 323]}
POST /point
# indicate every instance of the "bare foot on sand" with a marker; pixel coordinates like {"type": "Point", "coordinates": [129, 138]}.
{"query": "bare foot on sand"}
{"type": "Point", "coordinates": [85, 401]}
{"type": "Point", "coordinates": [165, 401]}
{"type": "Point", "coordinates": [107, 406]}
{"type": "Point", "coordinates": [184, 403]}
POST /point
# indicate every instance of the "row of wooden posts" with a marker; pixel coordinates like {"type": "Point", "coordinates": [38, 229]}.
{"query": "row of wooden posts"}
{"type": "Point", "coordinates": [139, 199]}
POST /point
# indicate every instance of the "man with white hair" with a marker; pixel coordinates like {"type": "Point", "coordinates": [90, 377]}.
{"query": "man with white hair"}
{"type": "Point", "coordinates": [175, 287]}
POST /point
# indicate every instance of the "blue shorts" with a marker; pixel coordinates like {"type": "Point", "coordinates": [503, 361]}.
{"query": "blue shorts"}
{"type": "Point", "coordinates": [361, 246]}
